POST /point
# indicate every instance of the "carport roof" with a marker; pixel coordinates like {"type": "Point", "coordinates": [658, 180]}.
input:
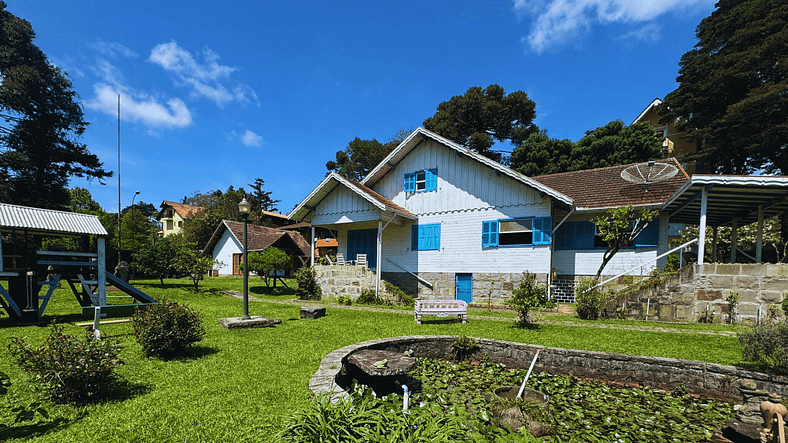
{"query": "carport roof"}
{"type": "Point", "coordinates": [47, 221]}
{"type": "Point", "coordinates": [729, 197]}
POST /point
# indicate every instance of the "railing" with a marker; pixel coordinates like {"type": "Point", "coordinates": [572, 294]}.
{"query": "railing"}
{"type": "Point", "coordinates": [401, 267]}
{"type": "Point", "coordinates": [642, 265]}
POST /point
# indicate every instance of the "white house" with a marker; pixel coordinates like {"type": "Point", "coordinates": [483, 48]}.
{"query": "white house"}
{"type": "Point", "coordinates": [437, 218]}
{"type": "Point", "coordinates": [226, 244]}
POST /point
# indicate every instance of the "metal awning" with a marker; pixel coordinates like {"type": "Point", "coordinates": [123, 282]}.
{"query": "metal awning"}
{"type": "Point", "coordinates": [728, 197]}
{"type": "Point", "coordinates": [47, 221]}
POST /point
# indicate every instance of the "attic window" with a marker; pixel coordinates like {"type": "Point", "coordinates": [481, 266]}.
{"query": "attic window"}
{"type": "Point", "coordinates": [421, 181]}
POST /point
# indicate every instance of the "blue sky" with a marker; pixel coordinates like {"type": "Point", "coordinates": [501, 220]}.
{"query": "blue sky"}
{"type": "Point", "coordinates": [215, 94]}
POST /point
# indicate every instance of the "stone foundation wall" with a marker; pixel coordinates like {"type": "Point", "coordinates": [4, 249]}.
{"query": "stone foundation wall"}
{"type": "Point", "coordinates": [712, 380]}
{"type": "Point", "coordinates": [348, 281]}
{"type": "Point", "coordinates": [687, 296]}
{"type": "Point", "coordinates": [443, 285]}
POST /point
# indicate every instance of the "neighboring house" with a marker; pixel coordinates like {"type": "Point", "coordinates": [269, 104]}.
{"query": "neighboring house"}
{"type": "Point", "coordinates": [674, 144]}
{"type": "Point", "coordinates": [325, 240]}
{"type": "Point", "coordinates": [172, 215]}
{"type": "Point", "coordinates": [276, 219]}
{"type": "Point", "coordinates": [437, 218]}
{"type": "Point", "coordinates": [226, 245]}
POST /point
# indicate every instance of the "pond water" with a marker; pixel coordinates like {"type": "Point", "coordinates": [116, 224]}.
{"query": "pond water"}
{"type": "Point", "coordinates": [578, 409]}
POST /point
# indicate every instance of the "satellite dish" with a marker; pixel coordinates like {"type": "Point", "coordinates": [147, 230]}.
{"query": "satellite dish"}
{"type": "Point", "coordinates": [648, 173]}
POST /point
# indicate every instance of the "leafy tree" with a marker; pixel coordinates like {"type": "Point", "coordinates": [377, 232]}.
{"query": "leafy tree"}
{"type": "Point", "coordinates": [619, 228]}
{"type": "Point", "coordinates": [482, 116]}
{"type": "Point", "coordinates": [158, 259]}
{"type": "Point", "coordinates": [732, 97]}
{"type": "Point", "coordinates": [189, 261]}
{"type": "Point", "coordinates": [81, 200]}
{"type": "Point", "coordinates": [39, 147]}
{"type": "Point", "coordinates": [269, 260]}
{"type": "Point", "coordinates": [136, 230]}
{"type": "Point", "coordinates": [609, 145]}
{"type": "Point", "coordinates": [361, 156]}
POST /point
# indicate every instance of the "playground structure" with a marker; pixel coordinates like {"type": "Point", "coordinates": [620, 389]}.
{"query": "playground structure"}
{"type": "Point", "coordinates": [27, 270]}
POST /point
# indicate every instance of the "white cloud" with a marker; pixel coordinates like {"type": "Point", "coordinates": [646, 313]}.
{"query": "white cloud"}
{"type": "Point", "coordinates": [560, 21]}
{"type": "Point", "coordinates": [114, 50]}
{"type": "Point", "coordinates": [206, 78]}
{"type": "Point", "coordinates": [138, 107]}
{"type": "Point", "coordinates": [251, 139]}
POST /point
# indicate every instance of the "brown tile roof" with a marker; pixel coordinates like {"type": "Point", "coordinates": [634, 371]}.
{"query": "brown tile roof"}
{"type": "Point", "coordinates": [326, 243]}
{"type": "Point", "coordinates": [274, 214]}
{"type": "Point", "coordinates": [185, 211]}
{"type": "Point", "coordinates": [386, 202]}
{"type": "Point", "coordinates": [604, 187]}
{"type": "Point", "coordinates": [298, 225]}
{"type": "Point", "coordinates": [260, 237]}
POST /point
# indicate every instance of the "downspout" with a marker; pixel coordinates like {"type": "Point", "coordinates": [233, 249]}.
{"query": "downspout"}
{"type": "Point", "coordinates": [550, 262]}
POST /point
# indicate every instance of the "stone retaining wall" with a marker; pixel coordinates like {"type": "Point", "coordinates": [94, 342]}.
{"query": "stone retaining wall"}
{"type": "Point", "coordinates": [713, 380]}
{"type": "Point", "coordinates": [686, 296]}
{"type": "Point", "coordinates": [443, 285]}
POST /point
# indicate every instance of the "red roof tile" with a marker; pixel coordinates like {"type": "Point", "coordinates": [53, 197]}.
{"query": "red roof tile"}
{"type": "Point", "coordinates": [604, 187]}
{"type": "Point", "coordinates": [185, 211]}
{"type": "Point", "coordinates": [260, 237]}
{"type": "Point", "coordinates": [386, 202]}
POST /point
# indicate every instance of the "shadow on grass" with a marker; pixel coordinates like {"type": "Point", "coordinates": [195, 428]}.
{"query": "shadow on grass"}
{"type": "Point", "coordinates": [277, 291]}
{"type": "Point", "coordinates": [37, 429]}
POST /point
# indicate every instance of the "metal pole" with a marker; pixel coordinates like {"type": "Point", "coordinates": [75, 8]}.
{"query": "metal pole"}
{"type": "Point", "coordinates": [246, 271]}
{"type": "Point", "coordinates": [119, 257]}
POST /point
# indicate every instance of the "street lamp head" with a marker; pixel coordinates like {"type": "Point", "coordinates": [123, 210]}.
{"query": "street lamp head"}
{"type": "Point", "coordinates": [137, 193]}
{"type": "Point", "coordinates": [244, 207]}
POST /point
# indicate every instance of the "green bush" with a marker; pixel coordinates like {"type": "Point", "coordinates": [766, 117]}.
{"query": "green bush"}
{"type": "Point", "coordinates": [591, 301]}
{"type": "Point", "coordinates": [368, 297]}
{"type": "Point", "coordinates": [166, 329]}
{"type": "Point", "coordinates": [733, 302]}
{"type": "Point", "coordinates": [463, 347]}
{"type": "Point", "coordinates": [68, 368]}
{"type": "Point", "coordinates": [766, 344]}
{"type": "Point", "coordinates": [402, 298]}
{"type": "Point", "coordinates": [344, 300]}
{"type": "Point", "coordinates": [307, 289]}
{"type": "Point", "coordinates": [527, 296]}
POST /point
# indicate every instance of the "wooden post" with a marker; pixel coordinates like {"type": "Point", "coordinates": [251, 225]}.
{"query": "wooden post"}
{"type": "Point", "coordinates": [759, 238]}
{"type": "Point", "coordinates": [102, 272]}
{"type": "Point", "coordinates": [312, 253]}
{"type": "Point", "coordinates": [714, 244]}
{"type": "Point", "coordinates": [704, 203]}
{"type": "Point", "coordinates": [380, 258]}
{"type": "Point", "coordinates": [734, 239]}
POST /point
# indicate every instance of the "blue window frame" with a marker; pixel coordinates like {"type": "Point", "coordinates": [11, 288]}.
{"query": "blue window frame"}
{"type": "Point", "coordinates": [582, 235]}
{"type": "Point", "coordinates": [517, 231]}
{"type": "Point", "coordinates": [425, 237]}
{"type": "Point", "coordinates": [421, 181]}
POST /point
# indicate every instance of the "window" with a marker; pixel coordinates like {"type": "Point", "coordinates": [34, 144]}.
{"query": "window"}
{"type": "Point", "coordinates": [421, 181]}
{"type": "Point", "coordinates": [425, 237]}
{"type": "Point", "coordinates": [519, 231]}
{"type": "Point", "coordinates": [583, 235]}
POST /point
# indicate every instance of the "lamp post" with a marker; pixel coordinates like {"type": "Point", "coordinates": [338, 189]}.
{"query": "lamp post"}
{"type": "Point", "coordinates": [136, 193]}
{"type": "Point", "coordinates": [244, 208]}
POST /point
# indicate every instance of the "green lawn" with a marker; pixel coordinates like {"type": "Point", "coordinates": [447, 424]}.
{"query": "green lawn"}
{"type": "Point", "coordinates": [238, 385]}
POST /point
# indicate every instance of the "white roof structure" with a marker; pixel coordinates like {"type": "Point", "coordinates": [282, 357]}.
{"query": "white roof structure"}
{"type": "Point", "coordinates": [35, 220]}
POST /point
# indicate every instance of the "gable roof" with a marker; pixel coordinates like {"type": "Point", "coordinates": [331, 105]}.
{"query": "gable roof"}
{"type": "Point", "coordinates": [49, 221]}
{"type": "Point", "coordinates": [332, 180]}
{"type": "Point", "coordinates": [185, 211]}
{"type": "Point", "coordinates": [421, 134]}
{"type": "Point", "coordinates": [602, 188]}
{"type": "Point", "coordinates": [260, 237]}
{"type": "Point", "coordinates": [656, 102]}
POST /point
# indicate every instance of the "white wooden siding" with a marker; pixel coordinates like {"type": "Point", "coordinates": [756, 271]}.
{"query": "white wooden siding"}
{"type": "Point", "coordinates": [343, 205]}
{"type": "Point", "coordinates": [223, 252]}
{"type": "Point", "coordinates": [587, 262]}
{"type": "Point", "coordinates": [463, 184]}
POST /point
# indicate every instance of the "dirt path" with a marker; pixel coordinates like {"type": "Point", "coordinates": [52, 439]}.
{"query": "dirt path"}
{"type": "Point", "coordinates": [487, 317]}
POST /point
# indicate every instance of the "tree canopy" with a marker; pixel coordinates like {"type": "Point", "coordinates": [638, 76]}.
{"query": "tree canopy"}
{"type": "Point", "coordinates": [361, 156]}
{"type": "Point", "coordinates": [733, 89]}
{"type": "Point", "coordinates": [39, 147]}
{"type": "Point", "coordinates": [482, 116]}
{"type": "Point", "coordinates": [609, 145]}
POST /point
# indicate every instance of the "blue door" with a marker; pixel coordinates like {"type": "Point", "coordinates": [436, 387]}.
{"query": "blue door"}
{"type": "Point", "coordinates": [464, 289]}
{"type": "Point", "coordinates": [363, 241]}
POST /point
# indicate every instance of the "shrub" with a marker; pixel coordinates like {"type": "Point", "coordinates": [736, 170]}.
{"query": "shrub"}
{"type": "Point", "coordinates": [784, 304]}
{"type": "Point", "coordinates": [767, 344]}
{"type": "Point", "coordinates": [344, 300]}
{"type": "Point", "coordinates": [307, 289]}
{"type": "Point", "coordinates": [68, 368]}
{"type": "Point", "coordinates": [591, 301]}
{"type": "Point", "coordinates": [402, 298]}
{"type": "Point", "coordinates": [463, 347]}
{"type": "Point", "coordinates": [527, 296]}
{"type": "Point", "coordinates": [672, 263]}
{"type": "Point", "coordinates": [166, 329]}
{"type": "Point", "coordinates": [733, 301]}
{"type": "Point", "coordinates": [707, 316]}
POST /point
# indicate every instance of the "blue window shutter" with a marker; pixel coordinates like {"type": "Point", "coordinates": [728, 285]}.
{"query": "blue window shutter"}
{"type": "Point", "coordinates": [649, 236]}
{"type": "Point", "coordinates": [414, 238]}
{"type": "Point", "coordinates": [431, 177]}
{"type": "Point", "coordinates": [490, 233]}
{"type": "Point", "coordinates": [543, 230]}
{"type": "Point", "coordinates": [410, 182]}
{"type": "Point", "coordinates": [435, 237]}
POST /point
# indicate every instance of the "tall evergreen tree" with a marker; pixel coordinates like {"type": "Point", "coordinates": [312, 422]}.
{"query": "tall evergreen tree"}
{"type": "Point", "coordinates": [732, 97]}
{"type": "Point", "coordinates": [39, 147]}
{"type": "Point", "coordinates": [482, 116]}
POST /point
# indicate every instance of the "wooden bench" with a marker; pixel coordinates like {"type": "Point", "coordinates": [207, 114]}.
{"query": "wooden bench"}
{"type": "Point", "coordinates": [441, 308]}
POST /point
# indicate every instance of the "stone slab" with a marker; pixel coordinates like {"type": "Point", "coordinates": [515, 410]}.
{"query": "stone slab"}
{"type": "Point", "coordinates": [254, 322]}
{"type": "Point", "coordinates": [313, 312]}
{"type": "Point", "coordinates": [397, 362]}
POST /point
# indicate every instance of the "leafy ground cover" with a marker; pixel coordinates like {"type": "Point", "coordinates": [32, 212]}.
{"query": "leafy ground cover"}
{"type": "Point", "coordinates": [239, 385]}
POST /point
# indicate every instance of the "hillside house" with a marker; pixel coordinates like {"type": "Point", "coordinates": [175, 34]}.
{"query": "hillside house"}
{"type": "Point", "coordinates": [172, 215]}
